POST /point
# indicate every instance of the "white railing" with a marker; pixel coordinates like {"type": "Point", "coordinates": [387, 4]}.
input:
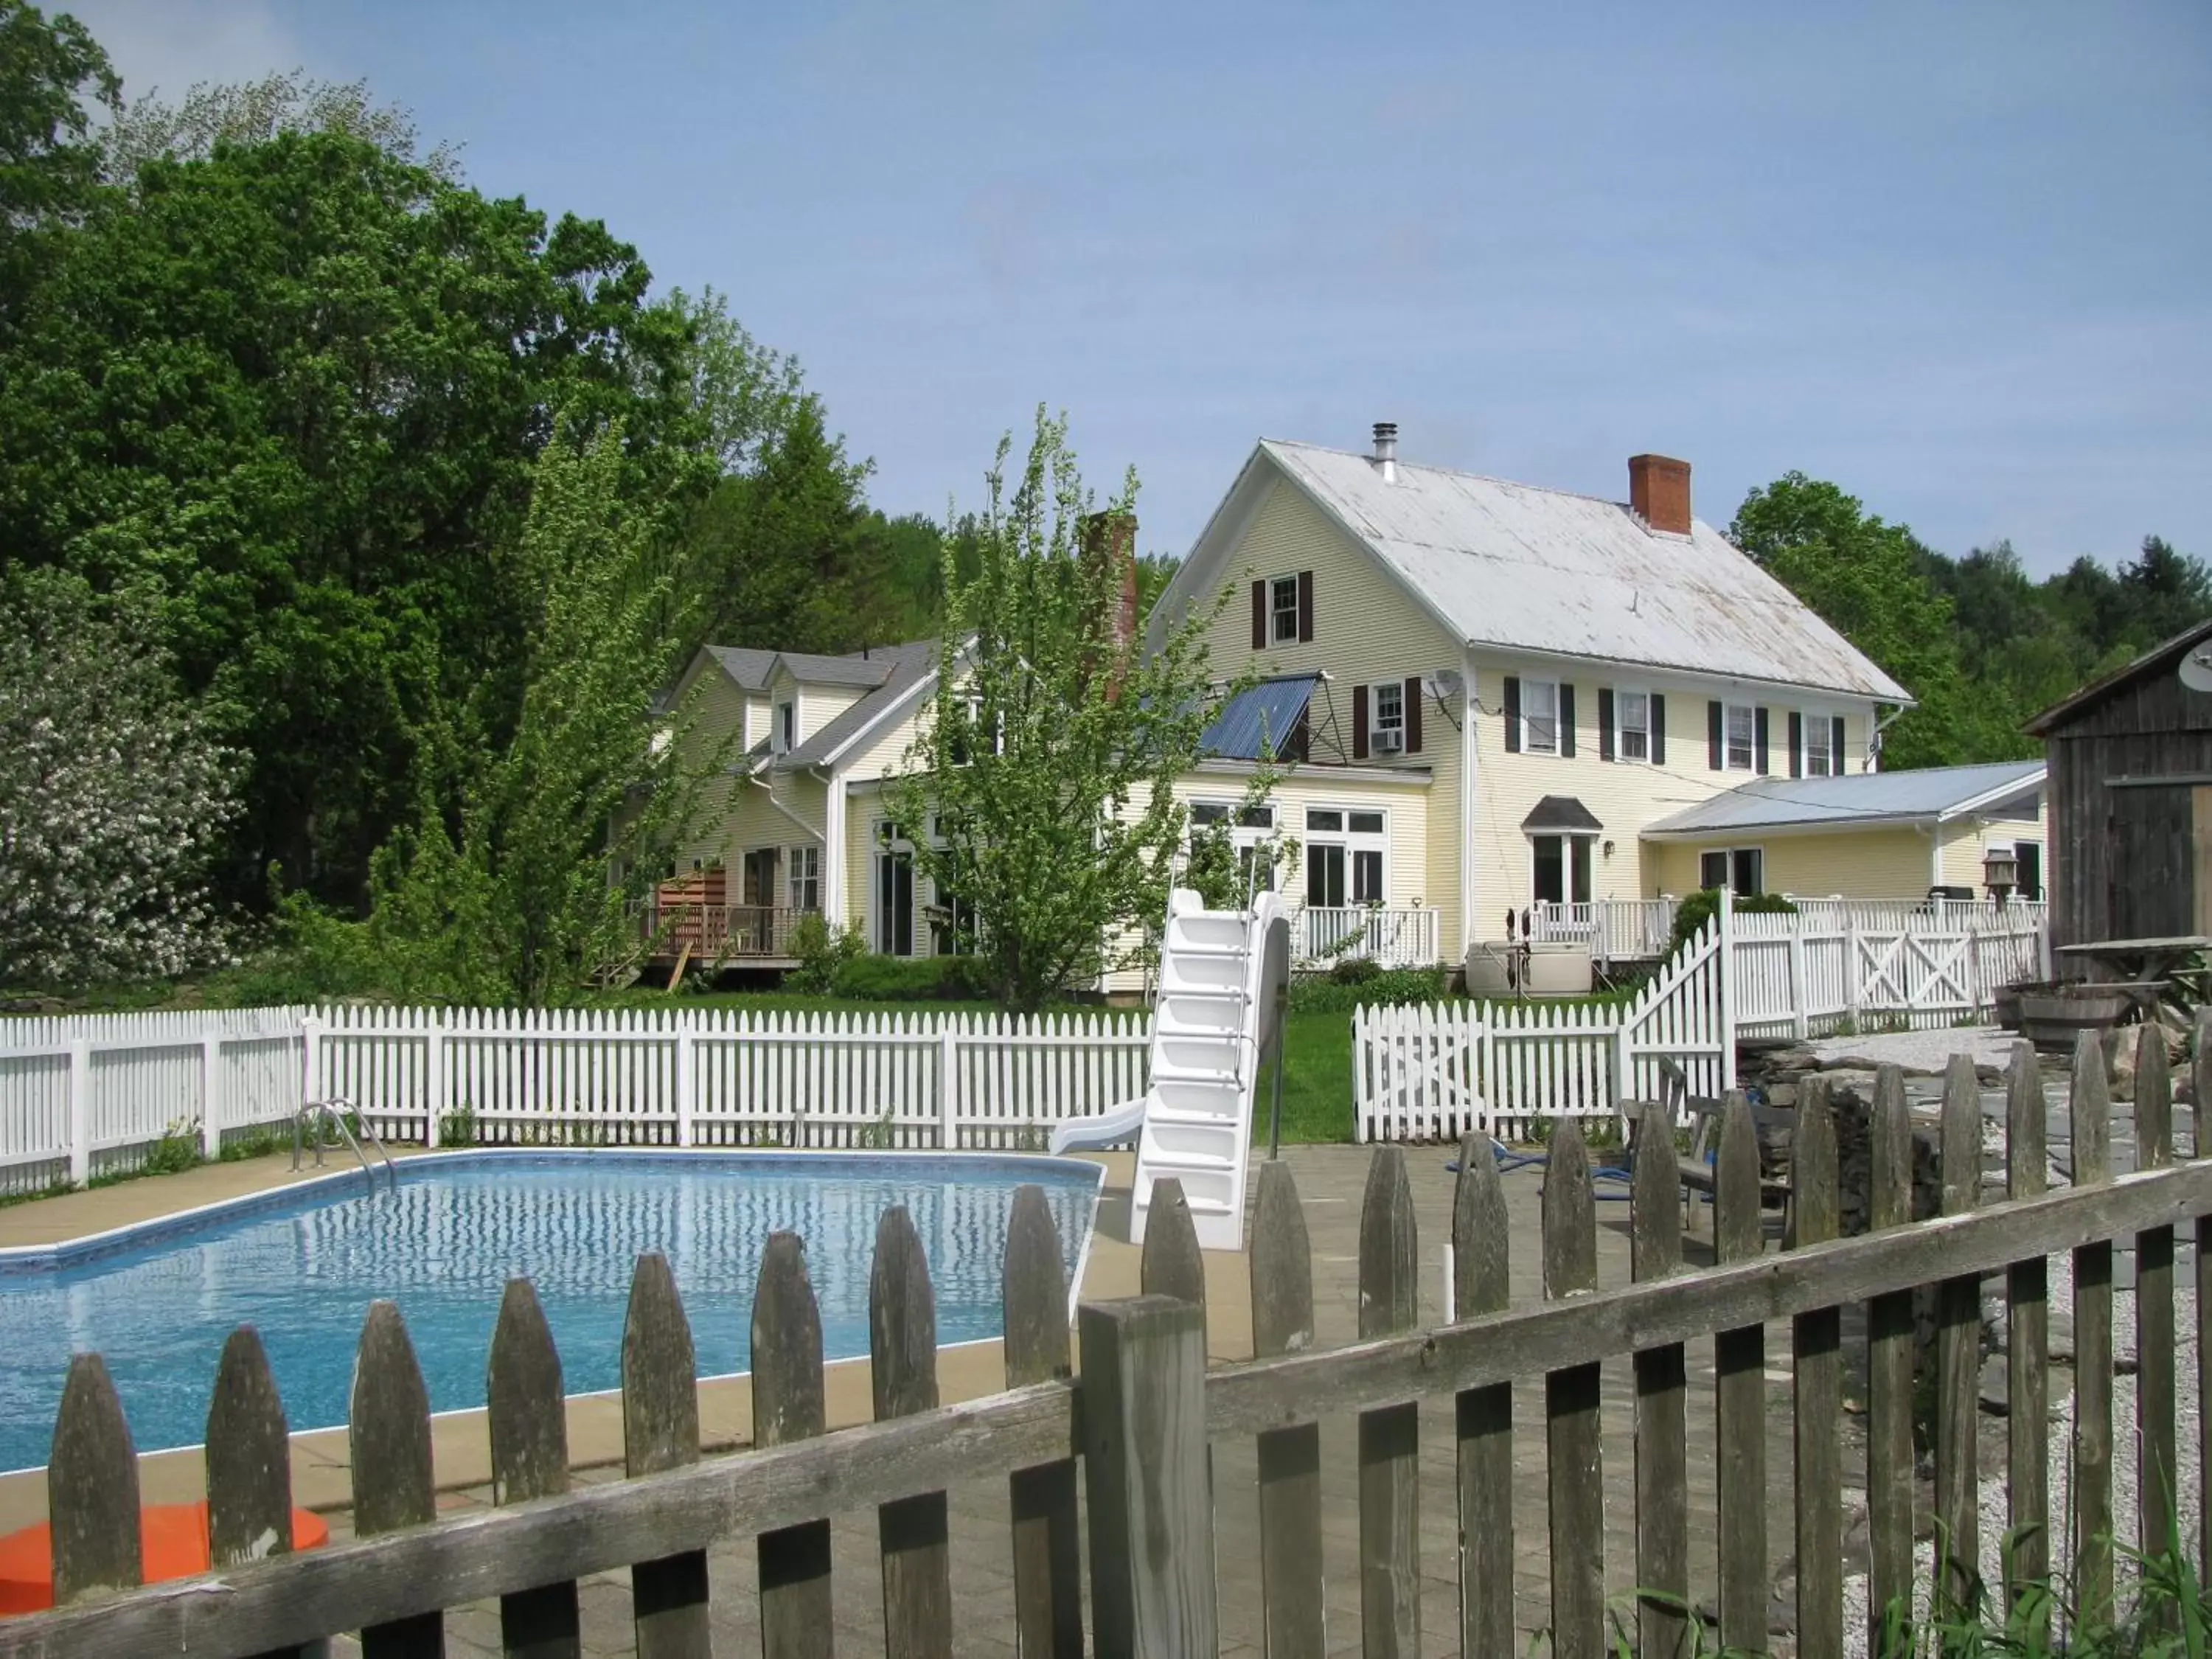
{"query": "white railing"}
{"type": "Point", "coordinates": [78, 1093]}
{"type": "Point", "coordinates": [96, 1090]}
{"type": "Point", "coordinates": [1616, 930]}
{"type": "Point", "coordinates": [1400, 937]}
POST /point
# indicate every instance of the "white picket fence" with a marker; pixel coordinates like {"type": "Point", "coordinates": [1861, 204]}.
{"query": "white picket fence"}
{"type": "Point", "coordinates": [1437, 1071]}
{"type": "Point", "coordinates": [87, 1092]}
{"type": "Point", "coordinates": [83, 1094]}
{"type": "Point", "coordinates": [723, 1077]}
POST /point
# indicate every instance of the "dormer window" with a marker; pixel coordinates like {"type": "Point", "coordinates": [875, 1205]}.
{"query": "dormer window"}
{"type": "Point", "coordinates": [786, 725]}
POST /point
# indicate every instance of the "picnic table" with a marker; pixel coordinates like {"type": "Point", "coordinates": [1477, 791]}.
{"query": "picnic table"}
{"type": "Point", "coordinates": [2175, 966]}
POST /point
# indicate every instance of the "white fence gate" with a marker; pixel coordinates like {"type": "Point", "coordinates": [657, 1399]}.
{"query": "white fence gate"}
{"type": "Point", "coordinates": [1436, 1071]}
{"type": "Point", "coordinates": [1917, 967]}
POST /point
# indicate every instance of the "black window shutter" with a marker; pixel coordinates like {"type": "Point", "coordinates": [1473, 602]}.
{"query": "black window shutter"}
{"type": "Point", "coordinates": [1305, 606]}
{"type": "Point", "coordinates": [1836, 749]}
{"type": "Point", "coordinates": [1605, 722]}
{"type": "Point", "coordinates": [1715, 735]}
{"type": "Point", "coordinates": [1512, 714]}
{"type": "Point", "coordinates": [1567, 721]}
{"type": "Point", "coordinates": [1260, 615]}
{"type": "Point", "coordinates": [1360, 722]}
{"type": "Point", "coordinates": [1658, 730]}
{"type": "Point", "coordinates": [1413, 707]}
{"type": "Point", "coordinates": [1759, 740]}
{"type": "Point", "coordinates": [1796, 745]}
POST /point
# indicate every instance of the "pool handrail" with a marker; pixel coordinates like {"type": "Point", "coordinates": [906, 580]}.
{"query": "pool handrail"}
{"type": "Point", "coordinates": [335, 1111]}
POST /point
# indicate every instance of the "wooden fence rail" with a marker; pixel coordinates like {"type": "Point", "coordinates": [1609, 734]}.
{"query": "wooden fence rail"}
{"type": "Point", "coordinates": [1142, 1416]}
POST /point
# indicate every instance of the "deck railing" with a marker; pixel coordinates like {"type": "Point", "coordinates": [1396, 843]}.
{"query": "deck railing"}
{"type": "Point", "coordinates": [710, 934]}
{"type": "Point", "coordinates": [1146, 1406]}
{"type": "Point", "coordinates": [1404, 936]}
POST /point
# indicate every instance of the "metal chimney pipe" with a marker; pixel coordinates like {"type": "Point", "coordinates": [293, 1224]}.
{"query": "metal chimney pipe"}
{"type": "Point", "coordinates": [1386, 449]}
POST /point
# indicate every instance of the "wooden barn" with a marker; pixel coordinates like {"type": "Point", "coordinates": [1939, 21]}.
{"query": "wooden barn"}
{"type": "Point", "coordinates": [2130, 781]}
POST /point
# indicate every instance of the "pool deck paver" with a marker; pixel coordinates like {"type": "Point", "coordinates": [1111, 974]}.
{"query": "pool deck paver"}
{"type": "Point", "coordinates": [1330, 1181]}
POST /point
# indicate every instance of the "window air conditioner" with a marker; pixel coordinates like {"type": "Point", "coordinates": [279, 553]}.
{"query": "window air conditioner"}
{"type": "Point", "coordinates": [1388, 742]}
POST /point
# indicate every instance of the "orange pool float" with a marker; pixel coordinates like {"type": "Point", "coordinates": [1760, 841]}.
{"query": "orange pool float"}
{"type": "Point", "coordinates": [173, 1543]}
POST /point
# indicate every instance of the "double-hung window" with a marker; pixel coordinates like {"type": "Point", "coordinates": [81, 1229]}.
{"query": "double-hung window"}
{"type": "Point", "coordinates": [1386, 717]}
{"type": "Point", "coordinates": [806, 879]}
{"type": "Point", "coordinates": [1820, 746]}
{"type": "Point", "coordinates": [1742, 736]}
{"type": "Point", "coordinates": [1632, 724]}
{"type": "Point", "coordinates": [1283, 610]}
{"type": "Point", "coordinates": [786, 725]}
{"type": "Point", "coordinates": [1540, 717]}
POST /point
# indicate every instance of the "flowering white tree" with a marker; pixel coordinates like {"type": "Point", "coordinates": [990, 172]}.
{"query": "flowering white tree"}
{"type": "Point", "coordinates": [112, 794]}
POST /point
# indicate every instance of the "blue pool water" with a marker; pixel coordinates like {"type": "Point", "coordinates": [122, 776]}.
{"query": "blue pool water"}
{"type": "Point", "coordinates": [304, 1269]}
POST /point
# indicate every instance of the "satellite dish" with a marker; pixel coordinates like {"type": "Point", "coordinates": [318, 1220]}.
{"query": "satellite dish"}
{"type": "Point", "coordinates": [2197, 669]}
{"type": "Point", "coordinates": [1446, 683]}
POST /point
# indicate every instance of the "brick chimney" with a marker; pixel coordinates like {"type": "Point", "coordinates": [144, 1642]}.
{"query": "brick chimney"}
{"type": "Point", "coordinates": [1659, 492]}
{"type": "Point", "coordinates": [1112, 537]}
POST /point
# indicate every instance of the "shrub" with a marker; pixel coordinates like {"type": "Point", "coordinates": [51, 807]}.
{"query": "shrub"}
{"type": "Point", "coordinates": [822, 955]}
{"type": "Point", "coordinates": [871, 978]}
{"type": "Point", "coordinates": [1355, 971]}
{"type": "Point", "coordinates": [1387, 987]}
{"type": "Point", "coordinates": [1695, 911]}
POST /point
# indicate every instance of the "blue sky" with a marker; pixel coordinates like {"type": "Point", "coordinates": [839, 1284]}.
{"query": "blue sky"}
{"type": "Point", "coordinates": [1956, 258]}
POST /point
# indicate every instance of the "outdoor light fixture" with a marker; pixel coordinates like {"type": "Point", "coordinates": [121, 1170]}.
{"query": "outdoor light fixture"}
{"type": "Point", "coordinates": [2000, 872]}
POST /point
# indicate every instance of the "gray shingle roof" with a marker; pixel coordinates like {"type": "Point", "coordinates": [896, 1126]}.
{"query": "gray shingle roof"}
{"type": "Point", "coordinates": [742, 663]}
{"type": "Point", "coordinates": [1858, 797]}
{"type": "Point", "coordinates": [1518, 567]}
{"type": "Point", "coordinates": [854, 669]}
{"type": "Point", "coordinates": [900, 669]}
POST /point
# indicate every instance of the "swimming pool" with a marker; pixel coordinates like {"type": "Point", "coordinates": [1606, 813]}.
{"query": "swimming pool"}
{"type": "Point", "coordinates": [302, 1264]}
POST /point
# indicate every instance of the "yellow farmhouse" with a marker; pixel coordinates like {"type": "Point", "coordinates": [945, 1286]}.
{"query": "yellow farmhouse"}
{"type": "Point", "coordinates": [1493, 697]}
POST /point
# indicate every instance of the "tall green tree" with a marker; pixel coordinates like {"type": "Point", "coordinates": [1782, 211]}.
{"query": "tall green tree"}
{"type": "Point", "coordinates": [520, 878]}
{"type": "Point", "coordinates": [296, 389]}
{"type": "Point", "coordinates": [1865, 577]}
{"type": "Point", "coordinates": [1037, 795]}
{"type": "Point", "coordinates": [49, 155]}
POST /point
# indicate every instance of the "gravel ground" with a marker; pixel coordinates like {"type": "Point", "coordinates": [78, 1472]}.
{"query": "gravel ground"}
{"type": "Point", "coordinates": [2188, 1432]}
{"type": "Point", "coordinates": [1915, 1051]}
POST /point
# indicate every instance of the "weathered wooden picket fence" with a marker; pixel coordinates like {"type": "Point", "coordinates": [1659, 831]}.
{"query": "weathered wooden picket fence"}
{"type": "Point", "coordinates": [1141, 1416]}
{"type": "Point", "coordinates": [1437, 1071]}
{"type": "Point", "coordinates": [82, 1094]}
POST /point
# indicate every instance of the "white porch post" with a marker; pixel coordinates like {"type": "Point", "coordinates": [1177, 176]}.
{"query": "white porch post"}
{"type": "Point", "coordinates": [1468, 703]}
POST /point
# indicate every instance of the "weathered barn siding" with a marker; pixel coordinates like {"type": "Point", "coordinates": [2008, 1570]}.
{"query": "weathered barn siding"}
{"type": "Point", "coordinates": [2130, 858]}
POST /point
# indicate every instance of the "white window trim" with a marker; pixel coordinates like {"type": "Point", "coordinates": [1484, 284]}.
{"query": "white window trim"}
{"type": "Point", "coordinates": [1824, 722]}
{"type": "Point", "coordinates": [802, 853]}
{"type": "Point", "coordinates": [1730, 853]}
{"type": "Point", "coordinates": [1296, 612]}
{"type": "Point", "coordinates": [1620, 694]}
{"type": "Point", "coordinates": [1386, 739]}
{"type": "Point", "coordinates": [1729, 712]}
{"type": "Point", "coordinates": [779, 741]}
{"type": "Point", "coordinates": [1527, 745]}
{"type": "Point", "coordinates": [1354, 841]}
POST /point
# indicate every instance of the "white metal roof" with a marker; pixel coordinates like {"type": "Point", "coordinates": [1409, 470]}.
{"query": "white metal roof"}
{"type": "Point", "coordinates": [1518, 567]}
{"type": "Point", "coordinates": [1870, 799]}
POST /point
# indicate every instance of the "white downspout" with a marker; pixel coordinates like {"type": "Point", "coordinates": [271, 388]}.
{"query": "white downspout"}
{"type": "Point", "coordinates": [833, 850]}
{"type": "Point", "coordinates": [1468, 703]}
